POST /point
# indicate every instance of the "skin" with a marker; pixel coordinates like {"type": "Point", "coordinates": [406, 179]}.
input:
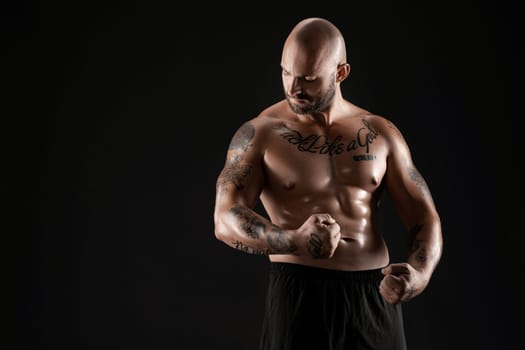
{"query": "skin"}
{"type": "Point", "coordinates": [319, 165]}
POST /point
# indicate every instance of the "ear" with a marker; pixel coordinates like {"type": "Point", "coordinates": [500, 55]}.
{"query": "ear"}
{"type": "Point", "coordinates": [343, 70]}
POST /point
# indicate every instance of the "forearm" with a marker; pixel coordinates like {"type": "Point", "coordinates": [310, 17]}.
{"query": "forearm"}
{"type": "Point", "coordinates": [242, 228]}
{"type": "Point", "coordinates": [425, 246]}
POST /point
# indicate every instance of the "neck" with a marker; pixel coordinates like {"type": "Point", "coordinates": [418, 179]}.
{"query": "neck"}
{"type": "Point", "coordinates": [322, 118]}
{"type": "Point", "coordinates": [330, 113]}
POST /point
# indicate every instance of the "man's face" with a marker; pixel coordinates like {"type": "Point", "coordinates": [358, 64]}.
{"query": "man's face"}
{"type": "Point", "coordinates": [310, 101]}
{"type": "Point", "coordinates": [309, 86]}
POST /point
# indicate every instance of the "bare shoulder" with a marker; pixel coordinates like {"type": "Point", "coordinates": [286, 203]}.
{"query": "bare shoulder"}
{"type": "Point", "coordinates": [269, 118]}
{"type": "Point", "coordinates": [385, 127]}
{"type": "Point", "coordinates": [273, 114]}
{"type": "Point", "coordinates": [254, 132]}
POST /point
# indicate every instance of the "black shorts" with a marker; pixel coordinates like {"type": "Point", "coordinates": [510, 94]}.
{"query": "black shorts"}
{"type": "Point", "coordinates": [321, 309]}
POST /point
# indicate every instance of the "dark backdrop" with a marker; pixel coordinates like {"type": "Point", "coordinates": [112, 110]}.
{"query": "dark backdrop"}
{"type": "Point", "coordinates": [117, 124]}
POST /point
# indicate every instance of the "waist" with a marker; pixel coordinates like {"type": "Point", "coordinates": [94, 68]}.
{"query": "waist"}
{"type": "Point", "coordinates": [349, 256]}
{"type": "Point", "coordinates": [315, 272]}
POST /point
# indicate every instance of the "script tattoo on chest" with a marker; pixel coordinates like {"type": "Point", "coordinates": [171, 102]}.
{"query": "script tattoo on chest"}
{"type": "Point", "coordinates": [322, 144]}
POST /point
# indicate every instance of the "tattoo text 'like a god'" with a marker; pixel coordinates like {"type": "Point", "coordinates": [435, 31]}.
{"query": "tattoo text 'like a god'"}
{"type": "Point", "coordinates": [321, 144]}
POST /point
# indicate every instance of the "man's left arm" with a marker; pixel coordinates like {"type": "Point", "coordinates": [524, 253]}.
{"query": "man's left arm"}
{"type": "Point", "coordinates": [416, 208]}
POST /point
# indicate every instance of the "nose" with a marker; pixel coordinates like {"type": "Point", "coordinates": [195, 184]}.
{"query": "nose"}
{"type": "Point", "coordinates": [295, 87]}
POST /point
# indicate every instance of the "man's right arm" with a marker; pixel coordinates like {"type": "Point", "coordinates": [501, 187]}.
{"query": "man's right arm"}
{"type": "Point", "coordinates": [237, 191]}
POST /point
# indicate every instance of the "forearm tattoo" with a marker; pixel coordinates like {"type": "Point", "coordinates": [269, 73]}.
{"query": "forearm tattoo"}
{"type": "Point", "coordinates": [234, 173]}
{"type": "Point", "coordinates": [254, 228]}
{"type": "Point", "coordinates": [421, 255]}
{"type": "Point", "coordinates": [315, 246]}
{"type": "Point", "coordinates": [420, 252]}
{"type": "Point", "coordinates": [250, 224]}
{"type": "Point", "coordinates": [412, 233]}
{"type": "Point", "coordinates": [279, 242]}
{"type": "Point", "coordinates": [321, 144]}
{"type": "Point", "coordinates": [250, 250]}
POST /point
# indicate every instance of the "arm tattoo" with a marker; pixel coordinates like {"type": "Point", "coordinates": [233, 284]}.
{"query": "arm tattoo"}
{"type": "Point", "coordinates": [412, 233]}
{"type": "Point", "coordinates": [235, 173]}
{"type": "Point", "coordinates": [250, 250]}
{"type": "Point", "coordinates": [409, 292]}
{"type": "Point", "coordinates": [279, 243]}
{"type": "Point", "coordinates": [315, 246]}
{"type": "Point", "coordinates": [415, 175]}
{"type": "Point", "coordinates": [255, 228]}
{"type": "Point", "coordinates": [250, 224]}
{"type": "Point", "coordinates": [421, 253]}
{"type": "Point", "coordinates": [243, 137]}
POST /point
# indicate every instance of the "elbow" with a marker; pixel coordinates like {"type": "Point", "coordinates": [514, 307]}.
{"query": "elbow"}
{"type": "Point", "coordinates": [219, 235]}
{"type": "Point", "coordinates": [220, 230]}
{"type": "Point", "coordinates": [222, 224]}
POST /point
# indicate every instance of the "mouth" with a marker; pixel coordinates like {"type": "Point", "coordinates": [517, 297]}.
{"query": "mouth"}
{"type": "Point", "coordinates": [298, 100]}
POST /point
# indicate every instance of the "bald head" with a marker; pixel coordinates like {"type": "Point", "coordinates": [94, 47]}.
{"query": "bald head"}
{"type": "Point", "coordinates": [313, 66]}
{"type": "Point", "coordinates": [318, 39]}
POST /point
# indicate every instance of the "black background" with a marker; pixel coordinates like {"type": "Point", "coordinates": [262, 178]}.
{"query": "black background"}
{"type": "Point", "coordinates": [118, 118]}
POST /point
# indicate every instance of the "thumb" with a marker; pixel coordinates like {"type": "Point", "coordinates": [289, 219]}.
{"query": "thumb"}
{"type": "Point", "coordinates": [328, 220]}
{"type": "Point", "coordinates": [386, 270]}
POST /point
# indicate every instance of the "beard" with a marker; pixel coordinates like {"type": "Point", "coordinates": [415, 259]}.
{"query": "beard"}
{"type": "Point", "coordinates": [314, 105]}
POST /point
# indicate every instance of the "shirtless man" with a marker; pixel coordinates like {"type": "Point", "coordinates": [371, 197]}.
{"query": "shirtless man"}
{"type": "Point", "coordinates": [319, 165]}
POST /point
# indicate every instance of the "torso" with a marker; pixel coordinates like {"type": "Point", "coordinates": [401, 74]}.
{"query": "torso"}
{"type": "Point", "coordinates": [337, 170]}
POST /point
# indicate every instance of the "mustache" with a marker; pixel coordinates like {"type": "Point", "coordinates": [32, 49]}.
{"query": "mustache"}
{"type": "Point", "coordinates": [299, 96]}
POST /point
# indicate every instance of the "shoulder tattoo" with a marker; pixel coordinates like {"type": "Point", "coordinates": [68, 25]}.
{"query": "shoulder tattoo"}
{"type": "Point", "coordinates": [242, 140]}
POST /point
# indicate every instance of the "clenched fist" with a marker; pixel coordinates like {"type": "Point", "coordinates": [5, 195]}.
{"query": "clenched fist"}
{"type": "Point", "coordinates": [401, 283]}
{"type": "Point", "coordinates": [318, 236]}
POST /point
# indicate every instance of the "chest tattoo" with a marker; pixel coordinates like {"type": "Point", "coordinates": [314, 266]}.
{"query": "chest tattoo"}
{"type": "Point", "coordinates": [322, 144]}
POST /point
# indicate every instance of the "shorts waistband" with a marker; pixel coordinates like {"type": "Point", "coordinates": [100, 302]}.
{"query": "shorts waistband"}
{"type": "Point", "coordinates": [306, 271]}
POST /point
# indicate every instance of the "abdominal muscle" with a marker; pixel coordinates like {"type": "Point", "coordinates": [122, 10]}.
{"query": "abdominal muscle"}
{"type": "Point", "coordinates": [348, 257]}
{"type": "Point", "coordinates": [360, 247]}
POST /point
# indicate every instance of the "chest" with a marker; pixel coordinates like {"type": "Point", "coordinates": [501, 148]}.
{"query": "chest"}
{"type": "Point", "coordinates": [312, 159]}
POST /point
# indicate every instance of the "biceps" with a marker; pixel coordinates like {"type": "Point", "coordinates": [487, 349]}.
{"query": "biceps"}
{"type": "Point", "coordinates": [408, 184]}
{"type": "Point", "coordinates": [409, 190]}
{"type": "Point", "coordinates": [240, 182]}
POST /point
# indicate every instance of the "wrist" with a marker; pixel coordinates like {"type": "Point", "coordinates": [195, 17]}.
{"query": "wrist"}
{"type": "Point", "coordinates": [281, 241]}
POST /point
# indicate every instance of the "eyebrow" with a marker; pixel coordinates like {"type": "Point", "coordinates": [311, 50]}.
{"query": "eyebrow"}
{"type": "Point", "coordinates": [305, 76]}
